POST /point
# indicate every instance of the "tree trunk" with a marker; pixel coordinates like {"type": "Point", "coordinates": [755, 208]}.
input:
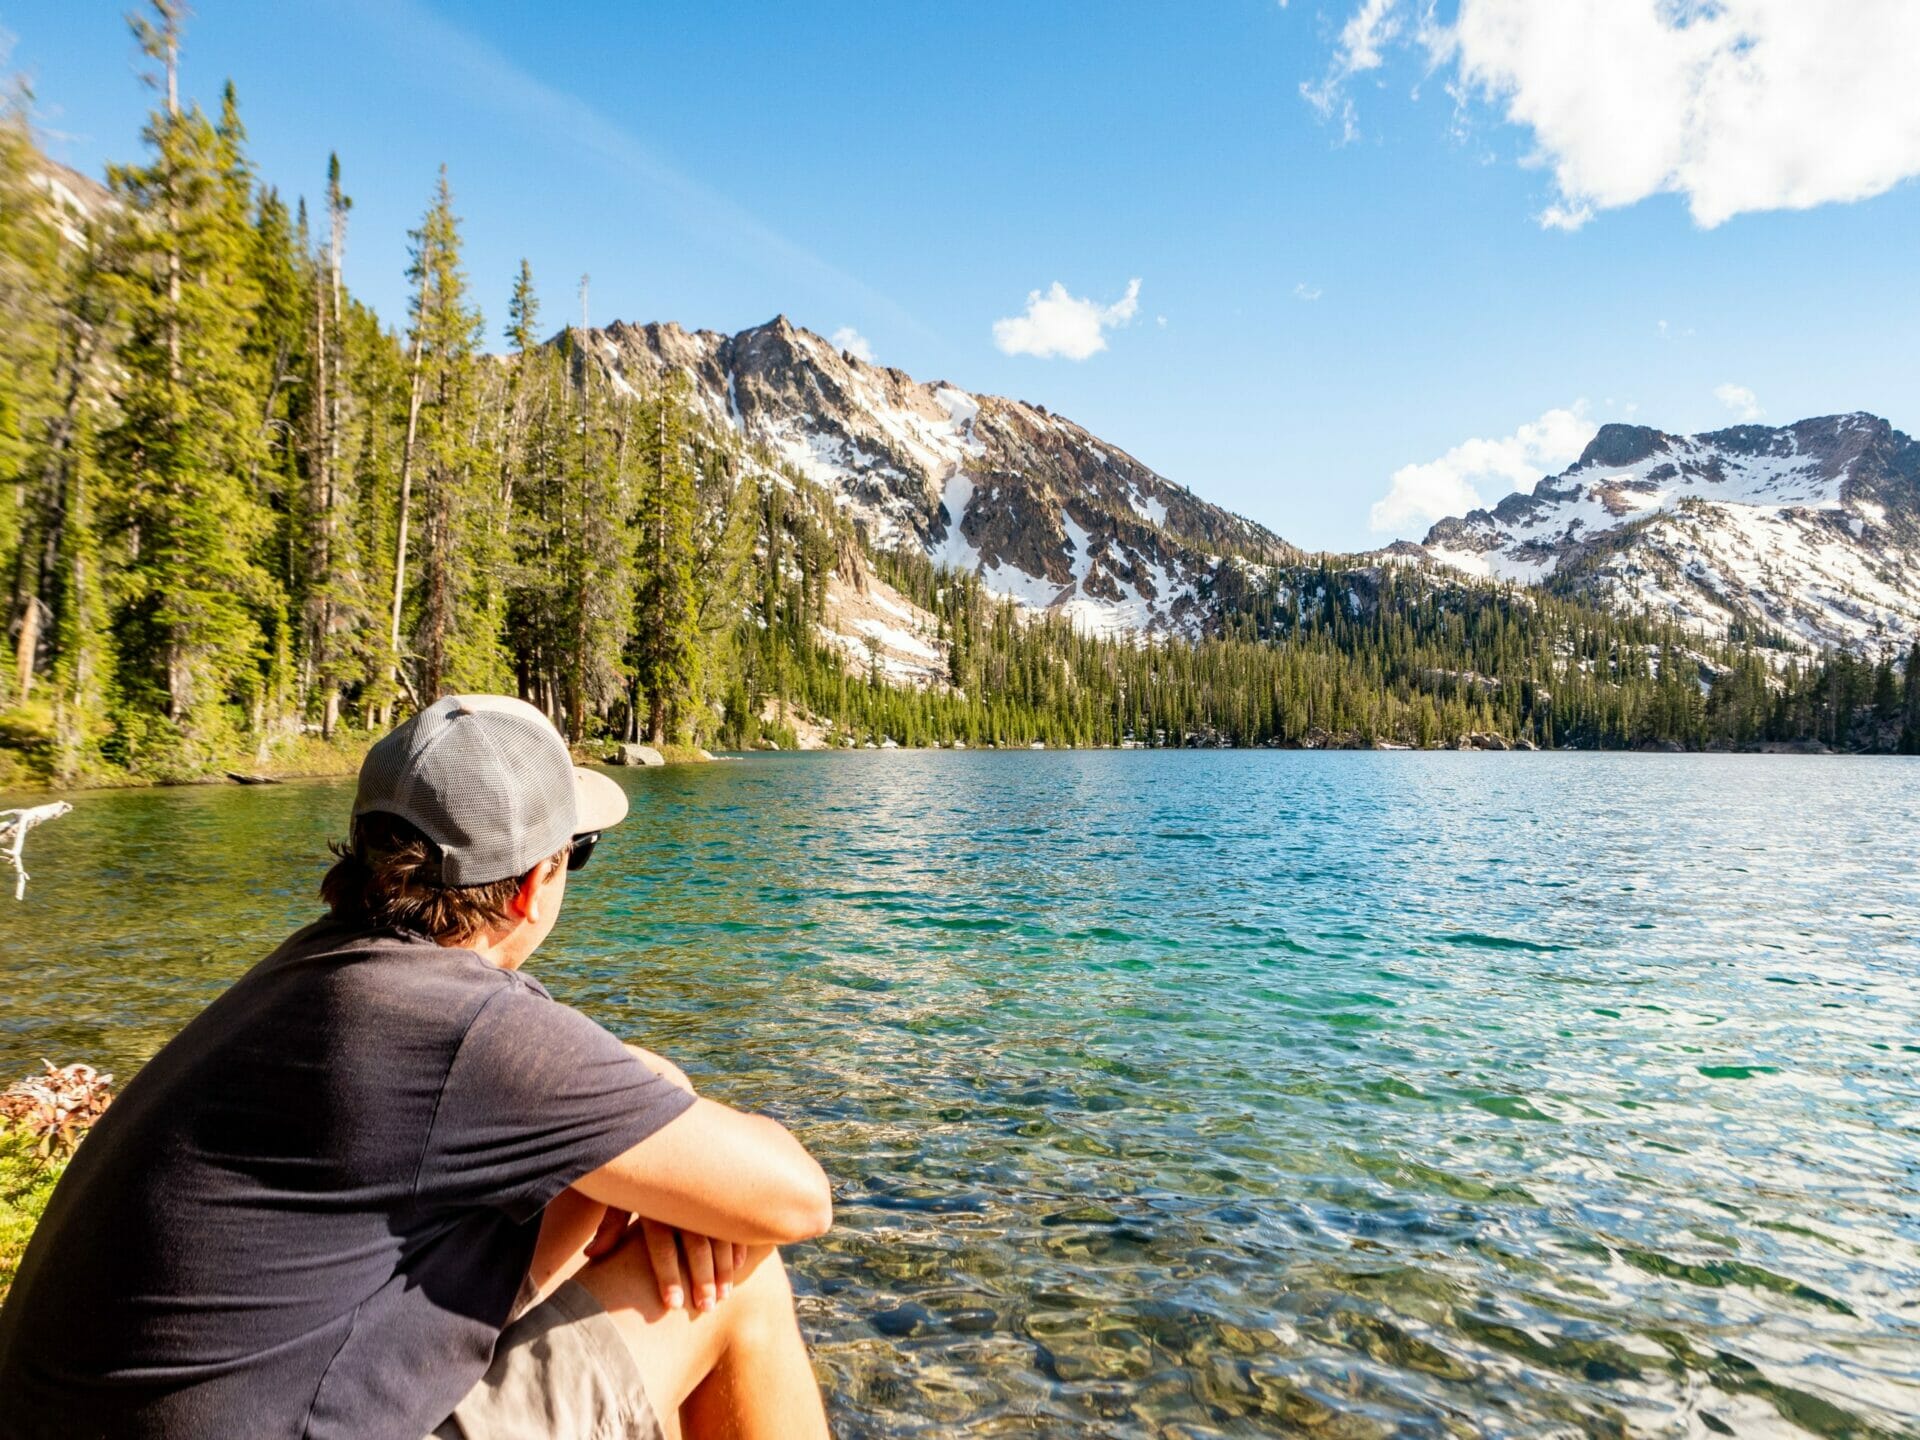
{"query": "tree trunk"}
{"type": "Point", "coordinates": [435, 577]}
{"type": "Point", "coordinates": [28, 649]}
{"type": "Point", "coordinates": [333, 378]}
{"type": "Point", "coordinates": [172, 40]}
{"type": "Point", "coordinates": [406, 491]}
{"type": "Point", "coordinates": [322, 576]}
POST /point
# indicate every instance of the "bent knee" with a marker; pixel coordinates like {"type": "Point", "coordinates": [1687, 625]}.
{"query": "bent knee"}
{"type": "Point", "coordinates": [764, 1263]}
{"type": "Point", "coordinates": [761, 1305]}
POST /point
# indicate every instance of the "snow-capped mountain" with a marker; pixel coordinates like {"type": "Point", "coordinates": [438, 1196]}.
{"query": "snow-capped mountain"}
{"type": "Point", "coordinates": [1810, 529]}
{"type": "Point", "coordinates": [1041, 509]}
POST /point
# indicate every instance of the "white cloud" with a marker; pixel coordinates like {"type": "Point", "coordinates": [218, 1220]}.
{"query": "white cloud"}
{"type": "Point", "coordinates": [1737, 105]}
{"type": "Point", "coordinates": [853, 342]}
{"type": "Point", "coordinates": [1309, 293]}
{"type": "Point", "coordinates": [1367, 31]}
{"type": "Point", "coordinates": [1057, 323]}
{"type": "Point", "coordinates": [1451, 485]}
{"type": "Point", "coordinates": [1744, 404]}
{"type": "Point", "coordinates": [1565, 217]}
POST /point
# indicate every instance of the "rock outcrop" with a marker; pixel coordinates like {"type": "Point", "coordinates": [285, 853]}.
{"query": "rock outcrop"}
{"type": "Point", "coordinates": [1042, 510]}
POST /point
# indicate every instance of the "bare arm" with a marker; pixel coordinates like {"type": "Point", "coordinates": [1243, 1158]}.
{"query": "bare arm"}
{"type": "Point", "coordinates": [660, 1065]}
{"type": "Point", "coordinates": [719, 1172]}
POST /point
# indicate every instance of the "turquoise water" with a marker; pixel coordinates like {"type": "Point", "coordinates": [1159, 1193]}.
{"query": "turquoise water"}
{"type": "Point", "coordinates": [1189, 1094]}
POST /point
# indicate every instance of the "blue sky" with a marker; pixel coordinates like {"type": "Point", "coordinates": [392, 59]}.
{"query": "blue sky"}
{"type": "Point", "coordinates": [1333, 211]}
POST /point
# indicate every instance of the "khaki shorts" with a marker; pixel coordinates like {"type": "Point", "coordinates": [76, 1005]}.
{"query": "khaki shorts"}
{"type": "Point", "coordinates": [560, 1372]}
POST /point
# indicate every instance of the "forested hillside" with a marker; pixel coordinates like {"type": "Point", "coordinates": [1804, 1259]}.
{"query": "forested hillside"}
{"type": "Point", "coordinates": [245, 518]}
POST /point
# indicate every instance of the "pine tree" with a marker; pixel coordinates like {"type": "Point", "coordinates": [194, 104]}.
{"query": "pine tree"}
{"type": "Point", "coordinates": [724, 522]}
{"type": "Point", "coordinates": [335, 601]}
{"type": "Point", "coordinates": [526, 471]}
{"type": "Point", "coordinates": [1909, 743]}
{"type": "Point", "coordinates": [461, 602]}
{"type": "Point", "coordinates": [595, 555]}
{"type": "Point", "coordinates": [74, 577]}
{"type": "Point", "coordinates": [31, 284]}
{"type": "Point", "coordinates": [665, 619]}
{"type": "Point", "coordinates": [189, 642]}
{"type": "Point", "coordinates": [375, 373]}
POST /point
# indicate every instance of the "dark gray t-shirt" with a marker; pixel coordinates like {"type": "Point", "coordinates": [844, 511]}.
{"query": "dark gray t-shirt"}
{"type": "Point", "coordinates": [309, 1214]}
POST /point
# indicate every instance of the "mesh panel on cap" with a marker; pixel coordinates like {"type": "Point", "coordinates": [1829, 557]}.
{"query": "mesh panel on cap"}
{"type": "Point", "coordinates": [485, 777]}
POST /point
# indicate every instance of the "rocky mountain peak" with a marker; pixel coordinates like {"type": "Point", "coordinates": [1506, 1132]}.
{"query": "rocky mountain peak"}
{"type": "Point", "coordinates": [1042, 510]}
{"type": "Point", "coordinates": [1617, 445]}
{"type": "Point", "coordinates": [1809, 530]}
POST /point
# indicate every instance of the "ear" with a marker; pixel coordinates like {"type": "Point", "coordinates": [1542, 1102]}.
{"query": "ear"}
{"type": "Point", "coordinates": [526, 900]}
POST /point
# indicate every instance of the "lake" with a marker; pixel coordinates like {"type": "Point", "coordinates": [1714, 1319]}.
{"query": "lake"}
{"type": "Point", "coordinates": [1219, 1094]}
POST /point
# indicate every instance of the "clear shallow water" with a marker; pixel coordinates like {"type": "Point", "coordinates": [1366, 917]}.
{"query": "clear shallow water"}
{"type": "Point", "coordinates": [1221, 1094]}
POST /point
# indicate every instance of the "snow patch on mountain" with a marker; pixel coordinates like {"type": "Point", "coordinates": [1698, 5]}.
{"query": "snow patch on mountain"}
{"type": "Point", "coordinates": [978, 482]}
{"type": "Point", "coordinates": [873, 625]}
{"type": "Point", "coordinates": [1810, 530]}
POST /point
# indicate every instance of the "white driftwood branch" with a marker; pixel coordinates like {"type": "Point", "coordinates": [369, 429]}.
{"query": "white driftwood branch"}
{"type": "Point", "coordinates": [14, 825]}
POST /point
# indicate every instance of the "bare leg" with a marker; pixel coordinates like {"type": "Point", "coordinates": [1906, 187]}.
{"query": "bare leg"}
{"type": "Point", "coordinates": [739, 1370]}
{"type": "Point", "coordinates": [762, 1386]}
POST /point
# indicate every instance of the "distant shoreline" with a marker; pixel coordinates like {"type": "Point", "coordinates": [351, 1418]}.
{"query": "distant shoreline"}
{"type": "Point", "coordinates": [333, 761]}
{"type": "Point", "coordinates": [273, 776]}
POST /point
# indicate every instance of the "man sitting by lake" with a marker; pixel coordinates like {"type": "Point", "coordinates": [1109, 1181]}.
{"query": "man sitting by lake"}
{"type": "Point", "coordinates": [386, 1185]}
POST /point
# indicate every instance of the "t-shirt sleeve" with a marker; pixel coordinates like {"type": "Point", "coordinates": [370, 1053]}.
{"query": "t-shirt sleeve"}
{"type": "Point", "coordinates": [537, 1096]}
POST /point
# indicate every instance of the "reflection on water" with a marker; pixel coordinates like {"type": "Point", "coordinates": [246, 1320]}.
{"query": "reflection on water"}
{"type": "Point", "coordinates": [1227, 1094]}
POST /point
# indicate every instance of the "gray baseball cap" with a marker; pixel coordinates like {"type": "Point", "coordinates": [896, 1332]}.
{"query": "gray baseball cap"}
{"type": "Point", "coordinates": [488, 779]}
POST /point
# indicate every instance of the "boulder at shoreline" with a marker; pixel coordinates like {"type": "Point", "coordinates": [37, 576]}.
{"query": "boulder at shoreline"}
{"type": "Point", "coordinates": [631, 754]}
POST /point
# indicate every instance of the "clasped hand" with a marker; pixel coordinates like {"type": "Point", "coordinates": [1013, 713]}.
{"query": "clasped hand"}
{"type": "Point", "coordinates": [690, 1270]}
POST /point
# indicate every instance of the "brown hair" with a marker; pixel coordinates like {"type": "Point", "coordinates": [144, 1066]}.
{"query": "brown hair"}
{"type": "Point", "coordinates": [387, 873]}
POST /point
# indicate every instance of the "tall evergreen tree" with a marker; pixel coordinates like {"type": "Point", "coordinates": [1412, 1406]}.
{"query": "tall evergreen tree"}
{"type": "Point", "coordinates": [665, 615]}
{"type": "Point", "coordinates": [595, 560]}
{"type": "Point", "coordinates": [461, 599]}
{"type": "Point", "coordinates": [75, 583]}
{"type": "Point", "coordinates": [32, 281]}
{"type": "Point", "coordinates": [335, 599]}
{"type": "Point", "coordinates": [189, 642]}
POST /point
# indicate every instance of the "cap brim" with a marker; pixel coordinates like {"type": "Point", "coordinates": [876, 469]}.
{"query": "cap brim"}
{"type": "Point", "coordinates": [598, 803]}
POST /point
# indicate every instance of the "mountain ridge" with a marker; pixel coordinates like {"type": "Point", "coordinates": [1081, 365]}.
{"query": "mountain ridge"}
{"type": "Point", "coordinates": [1808, 531]}
{"type": "Point", "coordinates": [1043, 510]}
{"type": "Point", "coordinates": [1803, 533]}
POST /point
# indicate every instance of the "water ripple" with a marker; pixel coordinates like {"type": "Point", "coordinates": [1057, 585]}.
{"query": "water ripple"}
{"type": "Point", "coordinates": [1223, 1095]}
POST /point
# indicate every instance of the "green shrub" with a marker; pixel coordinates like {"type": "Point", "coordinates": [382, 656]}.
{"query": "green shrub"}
{"type": "Point", "coordinates": [26, 1184]}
